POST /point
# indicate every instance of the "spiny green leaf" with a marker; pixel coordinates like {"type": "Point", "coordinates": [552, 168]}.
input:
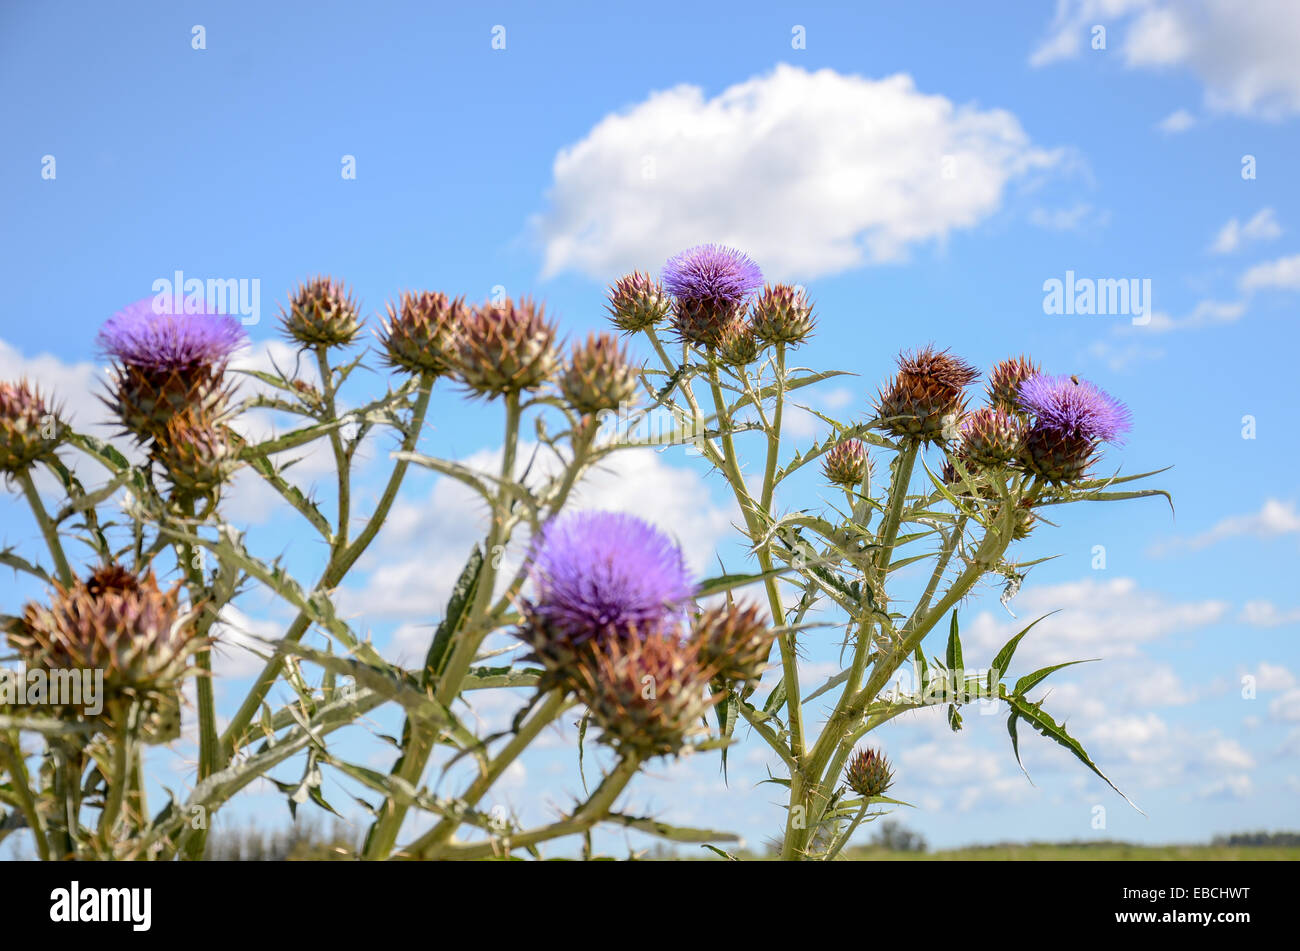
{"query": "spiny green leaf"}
{"type": "Point", "coordinates": [1029, 681]}
{"type": "Point", "coordinates": [462, 595]}
{"type": "Point", "coordinates": [954, 645]}
{"type": "Point", "coordinates": [1041, 721]}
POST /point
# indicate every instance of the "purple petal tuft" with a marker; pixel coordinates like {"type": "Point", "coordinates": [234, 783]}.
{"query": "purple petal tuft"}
{"type": "Point", "coordinates": [141, 337]}
{"type": "Point", "coordinates": [712, 272]}
{"type": "Point", "coordinates": [606, 572]}
{"type": "Point", "coordinates": [1061, 405]}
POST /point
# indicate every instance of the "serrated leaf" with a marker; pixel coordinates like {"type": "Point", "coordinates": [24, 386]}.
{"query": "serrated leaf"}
{"type": "Point", "coordinates": [1039, 719]}
{"type": "Point", "coordinates": [1029, 681]}
{"type": "Point", "coordinates": [462, 596]}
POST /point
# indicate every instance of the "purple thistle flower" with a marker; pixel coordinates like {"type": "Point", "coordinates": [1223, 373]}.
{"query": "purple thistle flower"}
{"type": "Point", "coordinates": [143, 338]}
{"type": "Point", "coordinates": [713, 273]}
{"type": "Point", "coordinates": [1073, 408]}
{"type": "Point", "coordinates": [605, 572]}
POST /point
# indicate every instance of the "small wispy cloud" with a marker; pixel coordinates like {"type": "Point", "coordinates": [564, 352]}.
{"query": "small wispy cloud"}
{"type": "Point", "coordinates": [1178, 121]}
{"type": "Point", "coordinates": [1262, 227]}
{"type": "Point", "coordinates": [1274, 519]}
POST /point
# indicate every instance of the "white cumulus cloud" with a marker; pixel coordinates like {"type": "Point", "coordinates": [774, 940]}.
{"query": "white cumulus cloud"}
{"type": "Point", "coordinates": [810, 172]}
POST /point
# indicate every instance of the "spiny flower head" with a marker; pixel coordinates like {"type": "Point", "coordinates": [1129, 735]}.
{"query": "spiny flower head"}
{"type": "Point", "coordinates": [991, 437]}
{"type": "Point", "coordinates": [144, 338]}
{"type": "Point", "coordinates": [1071, 418]}
{"type": "Point", "coordinates": [1074, 407]}
{"type": "Point", "coordinates": [637, 301]}
{"type": "Point", "coordinates": [1004, 382]}
{"type": "Point", "coordinates": [782, 314]}
{"type": "Point", "coordinates": [418, 334]}
{"type": "Point", "coordinates": [868, 773]}
{"type": "Point", "coordinates": [598, 575]}
{"type": "Point", "coordinates": [115, 621]}
{"type": "Point", "coordinates": [322, 313]}
{"type": "Point", "coordinates": [709, 283]}
{"type": "Point", "coordinates": [648, 695]}
{"type": "Point", "coordinates": [167, 364]}
{"type": "Point", "coordinates": [735, 640]}
{"type": "Point", "coordinates": [926, 397]}
{"type": "Point", "coordinates": [599, 375]}
{"type": "Point", "coordinates": [505, 348]}
{"type": "Point", "coordinates": [29, 430]}
{"type": "Point", "coordinates": [847, 463]}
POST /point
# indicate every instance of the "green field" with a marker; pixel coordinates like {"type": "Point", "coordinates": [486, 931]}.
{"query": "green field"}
{"type": "Point", "coordinates": [1086, 852]}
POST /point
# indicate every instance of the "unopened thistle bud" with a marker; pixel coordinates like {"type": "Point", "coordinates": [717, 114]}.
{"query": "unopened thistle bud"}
{"type": "Point", "coordinates": [598, 376]}
{"type": "Point", "coordinates": [649, 695]}
{"type": "Point", "coordinates": [637, 301]}
{"type": "Point", "coordinates": [166, 364]}
{"type": "Point", "coordinates": [321, 314]}
{"type": "Point", "coordinates": [925, 400]}
{"type": "Point", "coordinates": [735, 641]}
{"type": "Point", "coordinates": [868, 773]}
{"type": "Point", "coordinates": [418, 333]}
{"type": "Point", "coordinates": [1025, 521]}
{"type": "Point", "coordinates": [991, 438]}
{"type": "Point", "coordinates": [847, 464]}
{"type": "Point", "coordinates": [197, 455]}
{"type": "Point", "coordinates": [114, 621]}
{"type": "Point", "coordinates": [1004, 383]}
{"type": "Point", "coordinates": [29, 430]}
{"type": "Point", "coordinates": [737, 345]}
{"type": "Point", "coordinates": [1071, 419]}
{"type": "Point", "coordinates": [505, 348]}
{"type": "Point", "coordinates": [709, 284]}
{"type": "Point", "coordinates": [782, 314]}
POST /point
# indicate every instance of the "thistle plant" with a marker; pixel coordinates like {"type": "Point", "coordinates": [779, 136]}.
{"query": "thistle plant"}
{"type": "Point", "coordinates": [959, 487]}
{"type": "Point", "coordinates": [600, 621]}
{"type": "Point", "coordinates": [601, 605]}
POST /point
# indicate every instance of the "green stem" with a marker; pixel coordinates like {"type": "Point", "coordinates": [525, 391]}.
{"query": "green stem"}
{"type": "Point", "coordinates": [338, 566]}
{"type": "Point", "coordinates": [472, 636]}
{"type": "Point", "coordinates": [47, 528]}
{"type": "Point", "coordinates": [848, 834]}
{"type": "Point", "coordinates": [22, 784]}
{"type": "Point", "coordinates": [341, 464]}
{"type": "Point", "coordinates": [590, 813]}
{"type": "Point", "coordinates": [785, 641]}
{"type": "Point", "coordinates": [418, 741]}
{"type": "Point", "coordinates": [429, 844]}
{"type": "Point", "coordinates": [118, 782]}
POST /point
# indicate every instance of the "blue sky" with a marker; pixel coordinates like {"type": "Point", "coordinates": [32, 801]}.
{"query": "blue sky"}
{"type": "Point", "coordinates": [923, 171]}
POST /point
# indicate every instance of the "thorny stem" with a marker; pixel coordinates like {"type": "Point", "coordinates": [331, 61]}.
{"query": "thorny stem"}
{"type": "Point", "coordinates": [848, 834]}
{"type": "Point", "coordinates": [338, 566]}
{"type": "Point", "coordinates": [785, 641]}
{"type": "Point", "coordinates": [48, 530]}
{"type": "Point", "coordinates": [124, 714]}
{"type": "Point", "coordinates": [418, 743]}
{"type": "Point", "coordinates": [341, 465]}
{"type": "Point", "coordinates": [462, 654]}
{"type": "Point", "coordinates": [429, 845]}
{"type": "Point", "coordinates": [587, 815]}
{"type": "Point", "coordinates": [22, 783]}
